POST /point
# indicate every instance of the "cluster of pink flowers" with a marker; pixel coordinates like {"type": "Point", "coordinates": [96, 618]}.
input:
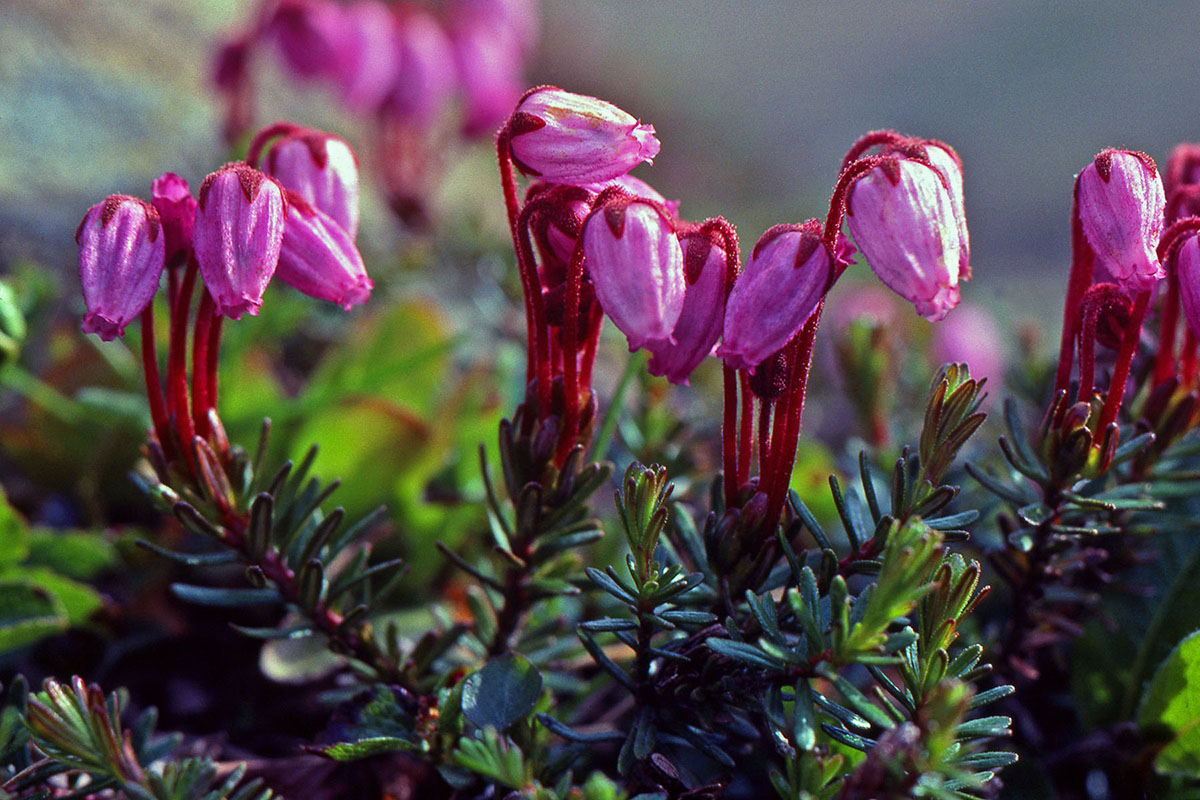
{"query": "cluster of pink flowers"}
{"type": "Point", "coordinates": [296, 220]}
{"type": "Point", "coordinates": [608, 244]}
{"type": "Point", "coordinates": [399, 63]}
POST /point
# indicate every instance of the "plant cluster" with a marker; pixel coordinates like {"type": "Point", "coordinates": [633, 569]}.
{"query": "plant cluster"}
{"type": "Point", "coordinates": [737, 646]}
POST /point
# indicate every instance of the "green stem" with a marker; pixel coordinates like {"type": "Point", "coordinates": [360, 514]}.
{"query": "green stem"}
{"type": "Point", "coordinates": [1184, 580]}
{"type": "Point", "coordinates": [609, 423]}
{"type": "Point", "coordinates": [40, 393]}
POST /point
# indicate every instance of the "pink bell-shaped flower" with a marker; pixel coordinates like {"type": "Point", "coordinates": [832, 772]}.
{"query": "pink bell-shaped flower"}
{"type": "Point", "coordinates": [636, 265]}
{"type": "Point", "coordinates": [1120, 202]}
{"type": "Point", "coordinates": [703, 314]}
{"type": "Point", "coordinates": [318, 166]}
{"type": "Point", "coordinates": [1187, 267]}
{"type": "Point", "coordinates": [310, 34]}
{"type": "Point", "coordinates": [367, 64]}
{"type": "Point", "coordinates": [638, 188]}
{"type": "Point", "coordinates": [571, 138]}
{"type": "Point", "coordinates": [489, 66]}
{"type": "Point", "coordinates": [238, 235]}
{"type": "Point", "coordinates": [901, 215]}
{"type": "Point", "coordinates": [790, 270]}
{"type": "Point", "coordinates": [425, 71]}
{"type": "Point", "coordinates": [319, 258]}
{"type": "Point", "coordinates": [121, 258]}
{"type": "Point", "coordinates": [172, 199]}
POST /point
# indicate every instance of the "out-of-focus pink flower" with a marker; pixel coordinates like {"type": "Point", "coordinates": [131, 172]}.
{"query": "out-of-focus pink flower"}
{"type": "Point", "coordinates": [310, 35]}
{"type": "Point", "coordinates": [425, 71]}
{"type": "Point", "coordinates": [572, 138]}
{"type": "Point", "coordinates": [238, 234]}
{"type": "Point", "coordinates": [319, 258]}
{"type": "Point", "coordinates": [172, 198]}
{"type": "Point", "coordinates": [513, 20]}
{"type": "Point", "coordinates": [1187, 267]}
{"type": "Point", "coordinates": [121, 258]}
{"type": "Point", "coordinates": [636, 265]}
{"type": "Point", "coordinates": [369, 59]}
{"type": "Point", "coordinates": [1183, 166]}
{"type": "Point", "coordinates": [790, 270]}
{"type": "Point", "coordinates": [971, 335]}
{"type": "Point", "coordinates": [703, 314]}
{"type": "Point", "coordinates": [490, 69]}
{"type": "Point", "coordinates": [902, 218]}
{"type": "Point", "coordinates": [1120, 202]}
{"type": "Point", "coordinates": [318, 166]}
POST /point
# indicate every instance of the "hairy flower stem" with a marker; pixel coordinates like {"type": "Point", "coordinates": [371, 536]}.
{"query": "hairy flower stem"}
{"type": "Point", "coordinates": [1080, 279]}
{"type": "Point", "coordinates": [154, 390]}
{"type": "Point", "coordinates": [1164, 359]}
{"type": "Point", "coordinates": [1129, 343]}
{"type": "Point", "coordinates": [201, 399]}
{"type": "Point", "coordinates": [177, 388]}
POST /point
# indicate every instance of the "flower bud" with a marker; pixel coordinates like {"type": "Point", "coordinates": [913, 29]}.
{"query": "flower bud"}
{"type": "Point", "coordinates": [121, 258]}
{"type": "Point", "coordinates": [310, 34]}
{"type": "Point", "coordinates": [172, 199]}
{"type": "Point", "coordinates": [1120, 202]}
{"type": "Point", "coordinates": [638, 188]}
{"type": "Point", "coordinates": [556, 227]}
{"type": "Point", "coordinates": [790, 270]}
{"type": "Point", "coordinates": [319, 258]}
{"type": "Point", "coordinates": [636, 265]}
{"type": "Point", "coordinates": [1187, 267]}
{"type": "Point", "coordinates": [703, 313]}
{"type": "Point", "coordinates": [321, 168]}
{"type": "Point", "coordinates": [571, 138]}
{"type": "Point", "coordinates": [425, 72]}
{"type": "Point", "coordinates": [901, 215]}
{"type": "Point", "coordinates": [367, 63]}
{"type": "Point", "coordinates": [1183, 167]}
{"type": "Point", "coordinates": [238, 234]}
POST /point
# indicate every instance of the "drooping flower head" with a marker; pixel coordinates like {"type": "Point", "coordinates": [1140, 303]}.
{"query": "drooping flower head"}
{"type": "Point", "coordinates": [425, 70]}
{"type": "Point", "coordinates": [902, 216]}
{"type": "Point", "coordinates": [572, 138]}
{"type": "Point", "coordinates": [318, 166]}
{"type": "Point", "coordinates": [1187, 266]}
{"type": "Point", "coordinates": [490, 41]}
{"type": "Point", "coordinates": [790, 269]}
{"type": "Point", "coordinates": [121, 258]}
{"type": "Point", "coordinates": [703, 314]}
{"type": "Point", "coordinates": [238, 235]}
{"type": "Point", "coordinates": [635, 262]}
{"type": "Point", "coordinates": [172, 198]}
{"type": "Point", "coordinates": [310, 35]}
{"type": "Point", "coordinates": [1120, 202]}
{"type": "Point", "coordinates": [369, 58]}
{"type": "Point", "coordinates": [318, 257]}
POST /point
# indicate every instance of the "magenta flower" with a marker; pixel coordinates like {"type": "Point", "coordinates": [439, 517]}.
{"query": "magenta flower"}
{"type": "Point", "coordinates": [369, 58]}
{"type": "Point", "coordinates": [319, 258]}
{"type": "Point", "coordinates": [638, 188]}
{"type": "Point", "coordinates": [310, 34]}
{"type": "Point", "coordinates": [172, 198]}
{"type": "Point", "coordinates": [489, 73]}
{"type": "Point", "coordinates": [1187, 267]}
{"type": "Point", "coordinates": [636, 265]}
{"type": "Point", "coordinates": [425, 71]}
{"type": "Point", "coordinates": [1183, 167]}
{"type": "Point", "coordinates": [571, 138]}
{"type": "Point", "coordinates": [1120, 202]}
{"type": "Point", "coordinates": [789, 272]}
{"type": "Point", "coordinates": [121, 258]}
{"type": "Point", "coordinates": [239, 231]}
{"type": "Point", "coordinates": [703, 314]}
{"type": "Point", "coordinates": [902, 217]}
{"type": "Point", "coordinates": [321, 168]}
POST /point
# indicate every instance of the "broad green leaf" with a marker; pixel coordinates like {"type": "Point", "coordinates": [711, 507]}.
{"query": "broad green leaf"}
{"type": "Point", "coordinates": [14, 533]}
{"type": "Point", "coordinates": [75, 554]}
{"type": "Point", "coordinates": [28, 612]}
{"type": "Point", "coordinates": [77, 600]}
{"type": "Point", "coordinates": [505, 690]}
{"type": "Point", "coordinates": [1170, 709]}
